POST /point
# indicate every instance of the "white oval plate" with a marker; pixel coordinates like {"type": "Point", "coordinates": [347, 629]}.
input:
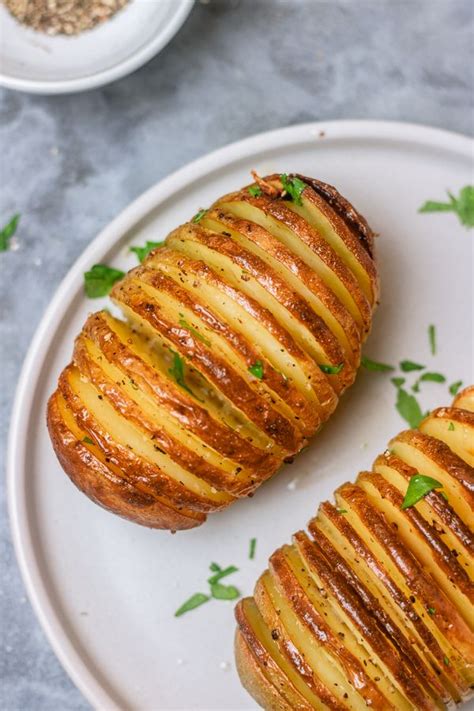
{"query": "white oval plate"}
{"type": "Point", "coordinates": [35, 62]}
{"type": "Point", "coordinates": [105, 590]}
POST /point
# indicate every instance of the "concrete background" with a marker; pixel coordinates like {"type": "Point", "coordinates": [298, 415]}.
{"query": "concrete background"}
{"type": "Point", "coordinates": [70, 163]}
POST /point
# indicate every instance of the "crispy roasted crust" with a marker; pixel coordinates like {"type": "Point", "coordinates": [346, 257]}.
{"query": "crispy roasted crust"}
{"type": "Point", "coordinates": [239, 336]}
{"type": "Point", "coordinates": [384, 593]}
{"type": "Point", "coordinates": [105, 487]}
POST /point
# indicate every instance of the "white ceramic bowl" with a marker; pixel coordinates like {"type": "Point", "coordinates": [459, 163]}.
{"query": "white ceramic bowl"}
{"type": "Point", "coordinates": [35, 62]}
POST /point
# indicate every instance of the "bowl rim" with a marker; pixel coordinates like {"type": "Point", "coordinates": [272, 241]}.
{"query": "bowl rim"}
{"type": "Point", "coordinates": [137, 59]}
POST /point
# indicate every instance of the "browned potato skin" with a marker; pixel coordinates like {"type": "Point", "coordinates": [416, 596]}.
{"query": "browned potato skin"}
{"type": "Point", "coordinates": [441, 628]}
{"type": "Point", "coordinates": [238, 432]}
{"type": "Point", "coordinates": [106, 488]}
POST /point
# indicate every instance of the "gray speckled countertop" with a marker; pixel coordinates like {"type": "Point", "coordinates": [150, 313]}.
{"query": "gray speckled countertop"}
{"type": "Point", "coordinates": [70, 163]}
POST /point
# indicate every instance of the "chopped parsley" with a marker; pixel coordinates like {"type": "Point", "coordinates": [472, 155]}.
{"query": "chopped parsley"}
{"type": "Point", "coordinates": [408, 365]}
{"type": "Point", "coordinates": [462, 206]}
{"type": "Point", "coordinates": [293, 187]}
{"type": "Point", "coordinates": [255, 190]}
{"type": "Point", "coordinates": [431, 611]}
{"type": "Point", "coordinates": [451, 426]}
{"type": "Point", "coordinates": [256, 369]}
{"type": "Point", "coordinates": [432, 338]}
{"type": "Point", "coordinates": [143, 252]}
{"type": "Point", "coordinates": [331, 369]}
{"type": "Point", "coordinates": [341, 511]}
{"type": "Point", "coordinates": [220, 573]}
{"type": "Point", "coordinates": [369, 364]}
{"type": "Point", "coordinates": [217, 590]}
{"type": "Point", "coordinates": [454, 388]}
{"type": "Point", "coordinates": [100, 280]}
{"type": "Point", "coordinates": [199, 215]}
{"type": "Point", "coordinates": [446, 661]}
{"type": "Point", "coordinates": [252, 548]}
{"type": "Point", "coordinates": [182, 322]}
{"type": "Point", "coordinates": [7, 232]}
{"type": "Point", "coordinates": [398, 382]}
{"type": "Point", "coordinates": [194, 601]}
{"type": "Point", "coordinates": [224, 592]}
{"type": "Point", "coordinates": [432, 377]}
{"type": "Point", "coordinates": [418, 487]}
{"type": "Point", "coordinates": [87, 440]}
{"type": "Point", "coordinates": [408, 407]}
{"type": "Point", "coordinates": [177, 372]}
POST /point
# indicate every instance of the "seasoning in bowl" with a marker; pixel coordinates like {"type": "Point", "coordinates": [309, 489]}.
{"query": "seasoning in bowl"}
{"type": "Point", "coordinates": [66, 17]}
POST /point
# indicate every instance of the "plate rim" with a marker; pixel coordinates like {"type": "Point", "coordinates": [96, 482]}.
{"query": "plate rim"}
{"type": "Point", "coordinates": [182, 9]}
{"type": "Point", "coordinates": [20, 526]}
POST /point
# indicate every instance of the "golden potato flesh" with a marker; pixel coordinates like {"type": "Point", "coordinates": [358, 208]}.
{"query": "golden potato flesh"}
{"type": "Point", "coordinates": [238, 337]}
{"type": "Point", "coordinates": [375, 606]}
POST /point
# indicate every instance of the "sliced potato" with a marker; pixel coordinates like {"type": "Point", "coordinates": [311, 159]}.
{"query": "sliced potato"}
{"type": "Point", "coordinates": [237, 338]}
{"type": "Point", "coordinates": [379, 601]}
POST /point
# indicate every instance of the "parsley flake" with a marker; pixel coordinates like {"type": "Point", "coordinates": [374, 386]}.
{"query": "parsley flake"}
{"type": "Point", "coordinates": [369, 364]}
{"type": "Point", "coordinates": [87, 440]}
{"type": "Point", "coordinates": [256, 369]}
{"type": "Point", "coordinates": [432, 377]}
{"type": "Point", "coordinates": [224, 592]}
{"type": "Point", "coordinates": [252, 548]}
{"type": "Point", "coordinates": [100, 280]}
{"type": "Point", "coordinates": [255, 190]}
{"type": "Point", "coordinates": [143, 252]}
{"type": "Point", "coordinates": [7, 232]}
{"type": "Point", "coordinates": [198, 216]}
{"type": "Point", "coordinates": [220, 573]}
{"type": "Point", "coordinates": [432, 338]}
{"type": "Point", "coordinates": [451, 426]}
{"type": "Point", "coordinates": [463, 206]}
{"type": "Point", "coordinates": [431, 611]}
{"type": "Point", "coordinates": [398, 382]}
{"type": "Point", "coordinates": [293, 187]}
{"type": "Point", "coordinates": [408, 365]}
{"type": "Point", "coordinates": [454, 388]}
{"type": "Point", "coordinates": [408, 407]}
{"type": "Point", "coordinates": [331, 369]}
{"type": "Point", "coordinates": [177, 372]}
{"type": "Point", "coordinates": [194, 601]}
{"type": "Point", "coordinates": [418, 487]}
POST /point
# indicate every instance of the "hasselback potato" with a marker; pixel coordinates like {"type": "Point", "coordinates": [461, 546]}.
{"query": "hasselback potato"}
{"type": "Point", "coordinates": [373, 607]}
{"type": "Point", "coordinates": [238, 337]}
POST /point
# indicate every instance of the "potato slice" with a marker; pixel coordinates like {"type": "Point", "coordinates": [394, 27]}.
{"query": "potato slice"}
{"type": "Point", "coordinates": [322, 678]}
{"type": "Point", "coordinates": [138, 361]}
{"type": "Point", "coordinates": [217, 371]}
{"type": "Point", "coordinates": [378, 603]}
{"type": "Point", "coordinates": [198, 321]}
{"type": "Point", "coordinates": [435, 510]}
{"type": "Point", "coordinates": [310, 603]}
{"type": "Point", "coordinates": [246, 315]}
{"type": "Point", "coordinates": [282, 687]}
{"type": "Point", "coordinates": [120, 439]}
{"type": "Point", "coordinates": [348, 608]}
{"type": "Point", "coordinates": [303, 280]}
{"type": "Point", "coordinates": [454, 427]}
{"type": "Point", "coordinates": [307, 244]}
{"type": "Point", "coordinates": [252, 276]}
{"type": "Point", "coordinates": [465, 399]}
{"type": "Point", "coordinates": [104, 483]}
{"type": "Point", "coordinates": [431, 457]}
{"type": "Point", "coordinates": [426, 544]}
